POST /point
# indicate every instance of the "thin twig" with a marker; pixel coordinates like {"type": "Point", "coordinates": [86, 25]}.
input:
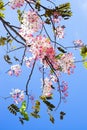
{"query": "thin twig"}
{"type": "Point", "coordinates": [28, 83]}
{"type": "Point", "coordinates": [59, 90]}
{"type": "Point", "coordinates": [52, 3]}
{"type": "Point", "coordinates": [12, 35]}
{"type": "Point", "coordinates": [23, 55]}
{"type": "Point", "coordinates": [15, 49]}
{"type": "Point", "coordinates": [4, 5]}
{"type": "Point", "coordinates": [30, 77]}
{"type": "Point", "coordinates": [8, 25]}
{"type": "Point", "coordinates": [5, 97]}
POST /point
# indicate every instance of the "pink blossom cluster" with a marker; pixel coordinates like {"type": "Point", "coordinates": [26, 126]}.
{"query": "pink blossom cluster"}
{"type": "Point", "coordinates": [15, 70]}
{"type": "Point", "coordinates": [56, 17]}
{"type": "Point", "coordinates": [17, 95]}
{"type": "Point", "coordinates": [47, 88]}
{"type": "Point", "coordinates": [17, 3]}
{"type": "Point", "coordinates": [31, 23]}
{"type": "Point", "coordinates": [59, 31]}
{"type": "Point", "coordinates": [41, 47]}
{"type": "Point", "coordinates": [64, 92]}
{"type": "Point", "coordinates": [66, 62]}
{"type": "Point", "coordinates": [28, 61]}
{"type": "Point", "coordinates": [53, 78]}
{"type": "Point", "coordinates": [78, 43]}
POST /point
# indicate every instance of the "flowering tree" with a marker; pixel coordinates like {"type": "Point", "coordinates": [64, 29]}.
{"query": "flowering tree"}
{"type": "Point", "coordinates": [37, 34]}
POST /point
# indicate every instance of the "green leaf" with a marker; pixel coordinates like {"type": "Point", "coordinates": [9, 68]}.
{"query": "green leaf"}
{"type": "Point", "coordinates": [36, 110]}
{"type": "Point", "coordinates": [2, 9]}
{"type": "Point", "coordinates": [61, 50]}
{"type": "Point", "coordinates": [2, 41]}
{"type": "Point", "coordinates": [7, 59]}
{"type": "Point", "coordinates": [37, 106]}
{"type": "Point", "coordinates": [52, 119]}
{"type": "Point", "coordinates": [37, 103]}
{"type": "Point", "coordinates": [64, 10]}
{"type": "Point", "coordinates": [85, 64]}
{"type": "Point", "coordinates": [59, 56]}
{"type": "Point", "coordinates": [9, 41]}
{"type": "Point", "coordinates": [47, 21]}
{"type": "Point", "coordinates": [50, 106]}
{"type": "Point", "coordinates": [21, 120]}
{"type": "Point", "coordinates": [62, 114]}
{"type": "Point", "coordinates": [48, 12]}
{"type": "Point", "coordinates": [16, 59]}
{"type": "Point", "coordinates": [35, 115]}
{"type": "Point", "coordinates": [49, 98]}
{"type": "Point", "coordinates": [37, 5]}
{"type": "Point", "coordinates": [23, 111]}
{"type": "Point", "coordinates": [13, 109]}
{"type": "Point", "coordinates": [43, 98]}
{"type": "Point", "coordinates": [23, 106]}
{"type": "Point", "coordinates": [20, 13]}
{"type": "Point", "coordinates": [83, 52]}
{"type": "Point", "coordinates": [26, 117]}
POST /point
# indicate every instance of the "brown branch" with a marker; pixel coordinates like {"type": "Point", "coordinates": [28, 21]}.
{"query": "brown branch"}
{"type": "Point", "coordinates": [30, 77]}
{"type": "Point", "coordinates": [45, 28]}
{"type": "Point", "coordinates": [4, 5]}
{"type": "Point", "coordinates": [52, 3]}
{"type": "Point", "coordinates": [23, 55]}
{"type": "Point", "coordinates": [75, 47]}
{"type": "Point", "coordinates": [9, 26]}
{"type": "Point", "coordinates": [12, 35]}
{"type": "Point", "coordinates": [79, 61]}
{"type": "Point", "coordinates": [15, 49]}
{"type": "Point", "coordinates": [59, 90]}
{"type": "Point", "coordinates": [5, 97]}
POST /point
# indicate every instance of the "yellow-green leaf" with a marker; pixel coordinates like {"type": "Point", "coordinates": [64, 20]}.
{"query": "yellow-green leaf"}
{"type": "Point", "coordinates": [85, 64]}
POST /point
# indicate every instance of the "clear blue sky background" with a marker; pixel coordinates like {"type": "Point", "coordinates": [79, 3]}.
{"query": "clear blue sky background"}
{"type": "Point", "coordinates": [76, 106]}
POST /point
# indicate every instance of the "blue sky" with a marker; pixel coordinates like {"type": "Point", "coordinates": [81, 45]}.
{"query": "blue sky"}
{"type": "Point", "coordinates": [76, 106]}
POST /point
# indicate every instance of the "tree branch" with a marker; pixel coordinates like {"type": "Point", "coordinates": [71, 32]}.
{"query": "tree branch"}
{"type": "Point", "coordinates": [9, 26]}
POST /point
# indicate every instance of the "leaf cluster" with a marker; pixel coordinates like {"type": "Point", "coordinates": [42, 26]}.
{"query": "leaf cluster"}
{"type": "Point", "coordinates": [62, 114]}
{"type": "Point", "coordinates": [47, 103]}
{"type": "Point", "coordinates": [2, 9]}
{"type": "Point", "coordinates": [62, 10]}
{"type": "Point", "coordinates": [4, 40]}
{"type": "Point", "coordinates": [22, 110]}
{"type": "Point", "coordinates": [36, 110]}
{"type": "Point", "coordinates": [83, 53]}
{"type": "Point", "coordinates": [13, 109]}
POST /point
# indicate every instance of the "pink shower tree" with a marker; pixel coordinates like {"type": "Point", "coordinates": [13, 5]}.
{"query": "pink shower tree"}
{"type": "Point", "coordinates": [38, 35]}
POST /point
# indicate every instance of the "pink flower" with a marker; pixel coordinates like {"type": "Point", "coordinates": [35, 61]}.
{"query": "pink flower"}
{"type": "Point", "coordinates": [29, 61]}
{"type": "Point", "coordinates": [15, 70]}
{"type": "Point", "coordinates": [59, 31]}
{"type": "Point", "coordinates": [47, 89]}
{"type": "Point", "coordinates": [66, 62]}
{"type": "Point", "coordinates": [10, 73]}
{"type": "Point", "coordinates": [31, 23]}
{"type": "Point", "coordinates": [78, 43]}
{"type": "Point", "coordinates": [56, 18]}
{"type": "Point", "coordinates": [17, 95]}
{"type": "Point", "coordinates": [16, 3]}
{"type": "Point", "coordinates": [53, 78]}
{"type": "Point", "coordinates": [64, 92]}
{"type": "Point", "coordinates": [41, 47]}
